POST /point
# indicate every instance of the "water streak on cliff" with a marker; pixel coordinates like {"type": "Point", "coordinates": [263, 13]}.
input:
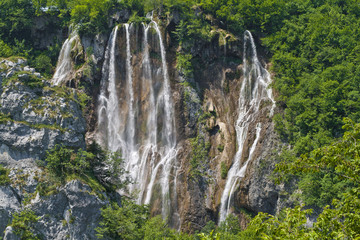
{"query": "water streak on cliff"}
{"type": "Point", "coordinates": [64, 68]}
{"type": "Point", "coordinates": [254, 91]}
{"type": "Point", "coordinates": [139, 121]}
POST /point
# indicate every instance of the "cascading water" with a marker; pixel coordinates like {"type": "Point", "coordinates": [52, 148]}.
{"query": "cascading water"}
{"type": "Point", "coordinates": [254, 89]}
{"type": "Point", "coordinates": [64, 68]}
{"type": "Point", "coordinates": [108, 111]}
{"type": "Point", "coordinates": [136, 116]}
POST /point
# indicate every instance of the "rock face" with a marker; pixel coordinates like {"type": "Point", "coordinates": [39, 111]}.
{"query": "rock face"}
{"type": "Point", "coordinates": [35, 116]}
{"type": "Point", "coordinates": [206, 109]}
{"type": "Point", "coordinates": [71, 213]}
{"type": "Point", "coordinates": [38, 117]}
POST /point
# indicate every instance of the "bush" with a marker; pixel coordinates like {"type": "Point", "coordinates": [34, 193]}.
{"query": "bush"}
{"type": "Point", "coordinates": [224, 170]}
{"type": "Point", "coordinates": [124, 222]}
{"type": "Point", "coordinates": [23, 224]}
{"type": "Point", "coordinates": [4, 175]}
{"type": "Point", "coordinates": [43, 64]}
{"type": "Point", "coordinates": [5, 50]}
{"type": "Point", "coordinates": [61, 161]}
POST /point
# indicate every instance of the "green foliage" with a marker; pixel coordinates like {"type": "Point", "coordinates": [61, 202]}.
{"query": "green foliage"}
{"type": "Point", "coordinates": [4, 118]}
{"type": "Point", "coordinates": [125, 222]}
{"type": "Point", "coordinates": [156, 228]}
{"type": "Point", "coordinates": [135, 18]}
{"type": "Point", "coordinates": [23, 224]}
{"type": "Point", "coordinates": [16, 18]}
{"type": "Point", "coordinates": [90, 15]}
{"type": "Point", "coordinates": [199, 156]}
{"type": "Point", "coordinates": [24, 78]}
{"type": "Point", "coordinates": [43, 64]}
{"type": "Point", "coordinates": [315, 57]}
{"type": "Point", "coordinates": [4, 175]}
{"type": "Point", "coordinates": [83, 99]}
{"type": "Point", "coordinates": [227, 230]}
{"type": "Point", "coordinates": [340, 221]}
{"type": "Point", "coordinates": [5, 50]}
{"type": "Point", "coordinates": [289, 225]}
{"type": "Point", "coordinates": [61, 161]}
{"type": "Point", "coordinates": [183, 64]}
{"type": "Point", "coordinates": [340, 158]}
{"type": "Point", "coordinates": [64, 164]}
{"type": "Point", "coordinates": [230, 225]}
{"type": "Point", "coordinates": [223, 170]}
{"type": "Point", "coordinates": [132, 221]}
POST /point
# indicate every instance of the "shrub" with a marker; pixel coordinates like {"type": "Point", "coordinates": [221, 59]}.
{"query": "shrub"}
{"type": "Point", "coordinates": [224, 170]}
{"type": "Point", "coordinates": [124, 222]}
{"type": "Point", "coordinates": [43, 64]}
{"type": "Point", "coordinates": [23, 224]}
{"type": "Point", "coordinates": [4, 176]}
{"type": "Point", "coordinates": [5, 50]}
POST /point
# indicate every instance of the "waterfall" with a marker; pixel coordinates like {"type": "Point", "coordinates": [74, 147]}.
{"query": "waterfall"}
{"type": "Point", "coordinates": [168, 149]}
{"type": "Point", "coordinates": [64, 67]}
{"type": "Point", "coordinates": [108, 109]}
{"type": "Point", "coordinates": [136, 116]}
{"type": "Point", "coordinates": [254, 89]}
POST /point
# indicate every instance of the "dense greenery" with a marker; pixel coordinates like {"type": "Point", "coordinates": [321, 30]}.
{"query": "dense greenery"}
{"type": "Point", "coordinates": [4, 173]}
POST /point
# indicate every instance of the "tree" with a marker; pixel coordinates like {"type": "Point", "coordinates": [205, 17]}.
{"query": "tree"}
{"type": "Point", "coordinates": [340, 220]}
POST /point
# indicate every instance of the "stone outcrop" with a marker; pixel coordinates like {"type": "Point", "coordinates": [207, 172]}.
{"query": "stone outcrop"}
{"type": "Point", "coordinates": [37, 116]}
{"type": "Point", "coordinates": [34, 117]}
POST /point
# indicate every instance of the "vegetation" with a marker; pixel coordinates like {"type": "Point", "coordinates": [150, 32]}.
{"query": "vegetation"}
{"type": "Point", "coordinates": [4, 176]}
{"type": "Point", "coordinates": [64, 164]}
{"type": "Point", "coordinates": [24, 78]}
{"type": "Point", "coordinates": [23, 224]}
{"type": "Point", "coordinates": [199, 156]}
{"type": "Point", "coordinates": [125, 222]}
{"type": "Point", "coordinates": [314, 49]}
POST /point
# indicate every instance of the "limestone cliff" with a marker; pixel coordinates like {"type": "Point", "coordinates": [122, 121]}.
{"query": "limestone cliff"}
{"type": "Point", "coordinates": [35, 116]}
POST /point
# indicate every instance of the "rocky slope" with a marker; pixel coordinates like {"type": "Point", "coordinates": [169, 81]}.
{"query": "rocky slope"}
{"type": "Point", "coordinates": [34, 118]}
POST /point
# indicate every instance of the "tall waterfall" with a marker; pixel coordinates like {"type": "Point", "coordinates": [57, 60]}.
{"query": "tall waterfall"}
{"type": "Point", "coordinates": [64, 67]}
{"type": "Point", "coordinates": [136, 113]}
{"type": "Point", "coordinates": [254, 89]}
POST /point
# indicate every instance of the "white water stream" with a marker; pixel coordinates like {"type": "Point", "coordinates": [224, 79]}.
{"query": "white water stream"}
{"type": "Point", "coordinates": [254, 89]}
{"type": "Point", "coordinates": [149, 152]}
{"type": "Point", "coordinates": [64, 67]}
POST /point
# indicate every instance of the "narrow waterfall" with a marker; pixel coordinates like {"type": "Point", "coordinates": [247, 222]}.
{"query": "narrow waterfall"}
{"type": "Point", "coordinates": [136, 116]}
{"type": "Point", "coordinates": [254, 89]}
{"type": "Point", "coordinates": [64, 67]}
